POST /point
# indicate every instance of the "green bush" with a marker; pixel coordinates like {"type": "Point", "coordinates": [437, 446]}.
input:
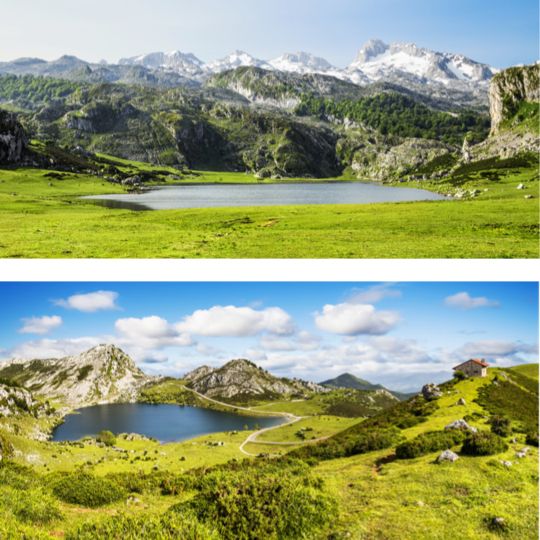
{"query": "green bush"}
{"type": "Point", "coordinates": [459, 375]}
{"type": "Point", "coordinates": [166, 527]}
{"type": "Point", "coordinates": [87, 490]}
{"type": "Point", "coordinates": [31, 505]}
{"type": "Point", "coordinates": [253, 506]}
{"type": "Point", "coordinates": [139, 482]}
{"type": "Point", "coordinates": [501, 426]}
{"type": "Point", "coordinates": [432, 441]}
{"type": "Point", "coordinates": [173, 485]}
{"type": "Point", "coordinates": [106, 437]}
{"type": "Point", "coordinates": [483, 443]}
{"type": "Point", "coordinates": [532, 439]}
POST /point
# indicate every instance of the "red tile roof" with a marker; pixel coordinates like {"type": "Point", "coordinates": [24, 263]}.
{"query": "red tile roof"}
{"type": "Point", "coordinates": [481, 362]}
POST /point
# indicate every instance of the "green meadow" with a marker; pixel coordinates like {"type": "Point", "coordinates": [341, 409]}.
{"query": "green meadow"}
{"type": "Point", "coordinates": [39, 220]}
{"type": "Point", "coordinates": [80, 489]}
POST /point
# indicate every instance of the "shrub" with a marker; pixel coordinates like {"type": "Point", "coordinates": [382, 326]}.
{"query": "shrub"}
{"type": "Point", "coordinates": [431, 441]}
{"type": "Point", "coordinates": [87, 490]}
{"type": "Point", "coordinates": [106, 437]}
{"type": "Point", "coordinates": [173, 485]}
{"type": "Point", "coordinates": [252, 506]}
{"type": "Point", "coordinates": [483, 443]}
{"type": "Point", "coordinates": [31, 505]}
{"type": "Point", "coordinates": [135, 482]}
{"type": "Point", "coordinates": [532, 439]}
{"type": "Point", "coordinates": [501, 426]}
{"type": "Point", "coordinates": [459, 375]}
{"type": "Point", "coordinates": [165, 527]}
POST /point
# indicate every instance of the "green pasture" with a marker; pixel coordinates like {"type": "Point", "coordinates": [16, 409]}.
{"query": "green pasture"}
{"type": "Point", "coordinates": [39, 220]}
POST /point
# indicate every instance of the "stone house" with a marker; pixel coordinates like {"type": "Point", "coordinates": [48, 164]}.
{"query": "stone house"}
{"type": "Point", "coordinates": [473, 368]}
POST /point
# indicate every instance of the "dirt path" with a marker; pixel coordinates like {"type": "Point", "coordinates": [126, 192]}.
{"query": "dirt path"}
{"type": "Point", "coordinates": [252, 438]}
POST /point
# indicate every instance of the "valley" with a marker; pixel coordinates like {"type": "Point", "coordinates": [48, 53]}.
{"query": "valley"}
{"type": "Point", "coordinates": [368, 472]}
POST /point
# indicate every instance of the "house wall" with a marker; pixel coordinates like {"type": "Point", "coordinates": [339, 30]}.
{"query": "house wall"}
{"type": "Point", "coordinates": [472, 369]}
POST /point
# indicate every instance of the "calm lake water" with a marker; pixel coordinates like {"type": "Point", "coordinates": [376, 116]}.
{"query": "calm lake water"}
{"type": "Point", "coordinates": [167, 423]}
{"type": "Point", "coordinates": [214, 195]}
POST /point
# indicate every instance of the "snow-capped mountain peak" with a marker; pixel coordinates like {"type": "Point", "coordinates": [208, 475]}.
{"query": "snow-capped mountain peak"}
{"type": "Point", "coordinates": [236, 59]}
{"type": "Point", "coordinates": [174, 60]}
{"type": "Point", "coordinates": [301, 62]}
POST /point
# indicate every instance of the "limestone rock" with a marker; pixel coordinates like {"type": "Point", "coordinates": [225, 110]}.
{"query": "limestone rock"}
{"type": "Point", "coordinates": [13, 138]}
{"type": "Point", "coordinates": [431, 391]}
{"type": "Point", "coordinates": [461, 424]}
{"type": "Point", "coordinates": [461, 402]}
{"type": "Point", "coordinates": [448, 455]}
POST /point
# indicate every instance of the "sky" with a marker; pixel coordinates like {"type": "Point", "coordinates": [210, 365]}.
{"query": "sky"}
{"type": "Point", "coordinates": [495, 32]}
{"type": "Point", "coordinates": [401, 335]}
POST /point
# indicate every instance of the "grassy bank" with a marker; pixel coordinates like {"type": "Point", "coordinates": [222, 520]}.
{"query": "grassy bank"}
{"type": "Point", "coordinates": [49, 221]}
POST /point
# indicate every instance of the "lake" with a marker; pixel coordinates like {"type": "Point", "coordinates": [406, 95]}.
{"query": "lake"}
{"type": "Point", "coordinates": [230, 195]}
{"type": "Point", "coordinates": [166, 423]}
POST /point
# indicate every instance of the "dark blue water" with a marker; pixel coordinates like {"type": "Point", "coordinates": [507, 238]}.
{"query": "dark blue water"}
{"type": "Point", "coordinates": [230, 195]}
{"type": "Point", "coordinates": [166, 423]}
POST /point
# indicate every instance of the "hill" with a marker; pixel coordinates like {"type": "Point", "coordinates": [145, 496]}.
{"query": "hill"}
{"type": "Point", "coordinates": [104, 374]}
{"type": "Point", "coordinates": [346, 380]}
{"type": "Point", "coordinates": [240, 381]}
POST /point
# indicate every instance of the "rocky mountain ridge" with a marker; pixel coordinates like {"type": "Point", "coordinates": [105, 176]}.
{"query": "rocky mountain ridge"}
{"type": "Point", "coordinates": [104, 374]}
{"type": "Point", "coordinates": [242, 378]}
{"type": "Point", "coordinates": [374, 62]}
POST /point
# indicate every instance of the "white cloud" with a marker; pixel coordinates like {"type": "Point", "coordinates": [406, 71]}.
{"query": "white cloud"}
{"type": "Point", "coordinates": [40, 325]}
{"type": "Point", "coordinates": [496, 347]}
{"type": "Point", "coordinates": [373, 294]}
{"type": "Point", "coordinates": [255, 355]}
{"type": "Point", "coordinates": [350, 339]}
{"type": "Point", "coordinates": [205, 350]}
{"type": "Point", "coordinates": [233, 321]}
{"type": "Point", "coordinates": [152, 333]}
{"type": "Point", "coordinates": [354, 319]}
{"type": "Point", "coordinates": [403, 351]}
{"type": "Point", "coordinates": [463, 301]}
{"type": "Point", "coordinates": [56, 348]}
{"type": "Point", "coordinates": [90, 302]}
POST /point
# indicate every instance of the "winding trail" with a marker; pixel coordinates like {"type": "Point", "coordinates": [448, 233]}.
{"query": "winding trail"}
{"type": "Point", "coordinates": [253, 436]}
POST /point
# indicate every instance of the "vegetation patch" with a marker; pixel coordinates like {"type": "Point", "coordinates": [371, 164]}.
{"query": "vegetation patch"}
{"type": "Point", "coordinates": [432, 441]}
{"type": "Point", "coordinates": [484, 443]}
{"type": "Point", "coordinates": [87, 490]}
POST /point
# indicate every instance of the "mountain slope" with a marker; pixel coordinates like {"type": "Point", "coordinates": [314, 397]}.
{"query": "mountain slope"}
{"type": "Point", "coordinates": [346, 380]}
{"type": "Point", "coordinates": [241, 380]}
{"type": "Point", "coordinates": [103, 374]}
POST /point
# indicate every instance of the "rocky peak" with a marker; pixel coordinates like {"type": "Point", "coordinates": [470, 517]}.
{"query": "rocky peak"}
{"type": "Point", "coordinates": [13, 138]}
{"type": "Point", "coordinates": [372, 48]}
{"type": "Point", "coordinates": [510, 87]}
{"type": "Point", "coordinates": [104, 374]}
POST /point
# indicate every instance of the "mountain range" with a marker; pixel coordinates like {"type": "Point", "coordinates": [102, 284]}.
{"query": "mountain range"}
{"type": "Point", "coordinates": [376, 61]}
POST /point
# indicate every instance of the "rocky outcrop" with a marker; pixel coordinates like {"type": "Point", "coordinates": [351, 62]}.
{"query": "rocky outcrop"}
{"type": "Point", "coordinates": [104, 374]}
{"type": "Point", "coordinates": [509, 88]}
{"type": "Point", "coordinates": [448, 455]}
{"type": "Point", "coordinates": [461, 424]}
{"type": "Point", "coordinates": [431, 391]}
{"type": "Point", "coordinates": [15, 400]}
{"type": "Point", "coordinates": [13, 138]}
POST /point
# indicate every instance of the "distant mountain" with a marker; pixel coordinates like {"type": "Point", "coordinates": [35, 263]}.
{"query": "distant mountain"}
{"type": "Point", "coordinates": [401, 63]}
{"type": "Point", "coordinates": [104, 374]}
{"type": "Point", "coordinates": [346, 380]}
{"type": "Point", "coordinates": [241, 380]}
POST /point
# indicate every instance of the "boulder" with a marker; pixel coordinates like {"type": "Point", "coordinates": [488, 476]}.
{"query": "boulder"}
{"type": "Point", "coordinates": [528, 197]}
{"type": "Point", "coordinates": [13, 138]}
{"type": "Point", "coordinates": [521, 186]}
{"type": "Point", "coordinates": [461, 402]}
{"type": "Point", "coordinates": [448, 455]}
{"type": "Point", "coordinates": [461, 424]}
{"type": "Point", "coordinates": [431, 391]}
{"type": "Point", "coordinates": [521, 454]}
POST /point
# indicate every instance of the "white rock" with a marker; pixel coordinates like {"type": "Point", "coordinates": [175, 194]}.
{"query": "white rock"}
{"type": "Point", "coordinates": [448, 455]}
{"type": "Point", "coordinates": [460, 424]}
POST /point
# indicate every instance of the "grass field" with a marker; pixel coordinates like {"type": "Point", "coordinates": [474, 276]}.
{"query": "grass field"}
{"type": "Point", "coordinates": [49, 221]}
{"type": "Point", "coordinates": [379, 497]}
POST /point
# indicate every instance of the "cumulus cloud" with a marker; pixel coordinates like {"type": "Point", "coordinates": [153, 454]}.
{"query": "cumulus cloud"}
{"type": "Point", "coordinates": [403, 351]}
{"type": "Point", "coordinates": [354, 319]}
{"type": "Point", "coordinates": [496, 347]}
{"type": "Point", "coordinates": [463, 301]}
{"type": "Point", "coordinates": [40, 325]}
{"type": "Point", "coordinates": [255, 355]}
{"type": "Point", "coordinates": [350, 339]}
{"type": "Point", "coordinates": [233, 321]}
{"type": "Point", "coordinates": [56, 348]}
{"type": "Point", "coordinates": [152, 333]}
{"type": "Point", "coordinates": [373, 294]}
{"type": "Point", "coordinates": [205, 350]}
{"type": "Point", "coordinates": [91, 302]}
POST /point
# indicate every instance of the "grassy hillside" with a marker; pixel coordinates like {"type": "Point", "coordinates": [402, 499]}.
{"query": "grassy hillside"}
{"type": "Point", "coordinates": [48, 221]}
{"type": "Point", "coordinates": [369, 494]}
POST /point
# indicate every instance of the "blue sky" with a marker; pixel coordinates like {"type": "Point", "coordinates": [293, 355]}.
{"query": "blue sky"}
{"type": "Point", "coordinates": [495, 32]}
{"type": "Point", "coordinates": [402, 335]}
